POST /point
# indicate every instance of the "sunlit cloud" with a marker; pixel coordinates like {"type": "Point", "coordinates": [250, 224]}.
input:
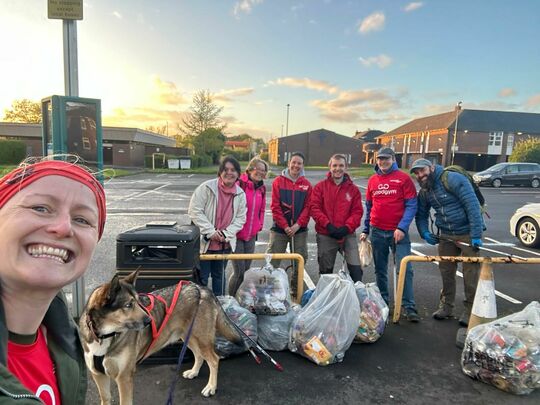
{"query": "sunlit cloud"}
{"type": "Point", "coordinates": [507, 92]}
{"type": "Point", "coordinates": [312, 84]}
{"type": "Point", "coordinates": [167, 92]}
{"type": "Point", "coordinates": [373, 22]}
{"type": "Point", "coordinates": [354, 105]}
{"type": "Point", "coordinates": [245, 6]}
{"type": "Point", "coordinates": [117, 15]}
{"type": "Point", "coordinates": [381, 61]}
{"type": "Point", "coordinates": [534, 101]}
{"type": "Point", "coordinates": [228, 95]}
{"type": "Point", "coordinates": [415, 5]}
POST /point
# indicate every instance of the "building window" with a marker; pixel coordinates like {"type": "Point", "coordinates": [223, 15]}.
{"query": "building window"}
{"type": "Point", "coordinates": [510, 142]}
{"type": "Point", "coordinates": [495, 138]}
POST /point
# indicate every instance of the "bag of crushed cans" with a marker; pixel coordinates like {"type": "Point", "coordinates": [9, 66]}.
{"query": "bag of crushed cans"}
{"type": "Point", "coordinates": [265, 291]}
{"type": "Point", "coordinates": [506, 352]}
{"type": "Point", "coordinates": [325, 328]}
{"type": "Point", "coordinates": [273, 331]}
{"type": "Point", "coordinates": [244, 319]}
{"type": "Point", "coordinates": [373, 313]}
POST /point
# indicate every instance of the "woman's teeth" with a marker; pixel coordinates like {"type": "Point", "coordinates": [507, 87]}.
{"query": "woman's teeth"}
{"type": "Point", "coordinates": [58, 254]}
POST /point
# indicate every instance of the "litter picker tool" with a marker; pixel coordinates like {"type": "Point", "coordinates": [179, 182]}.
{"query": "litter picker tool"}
{"type": "Point", "coordinates": [394, 267]}
{"type": "Point", "coordinates": [498, 252]}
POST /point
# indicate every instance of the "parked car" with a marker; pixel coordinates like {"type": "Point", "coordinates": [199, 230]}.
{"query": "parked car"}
{"type": "Point", "coordinates": [524, 225]}
{"type": "Point", "coordinates": [515, 174]}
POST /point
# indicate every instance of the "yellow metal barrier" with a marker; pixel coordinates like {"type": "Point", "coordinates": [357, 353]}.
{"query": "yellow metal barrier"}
{"type": "Point", "coordinates": [262, 256]}
{"type": "Point", "coordinates": [458, 259]}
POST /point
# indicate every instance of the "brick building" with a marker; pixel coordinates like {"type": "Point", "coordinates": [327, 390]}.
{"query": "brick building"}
{"type": "Point", "coordinates": [474, 139]}
{"type": "Point", "coordinates": [317, 146]}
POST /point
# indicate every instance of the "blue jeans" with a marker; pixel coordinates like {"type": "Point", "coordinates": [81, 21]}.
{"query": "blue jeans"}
{"type": "Point", "coordinates": [381, 241]}
{"type": "Point", "coordinates": [216, 268]}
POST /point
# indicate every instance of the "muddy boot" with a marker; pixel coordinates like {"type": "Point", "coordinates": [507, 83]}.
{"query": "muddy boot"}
{"type": "Point", "coordinates": [464, 318]}
{"type": "Point", "coordinates": [444, 312]}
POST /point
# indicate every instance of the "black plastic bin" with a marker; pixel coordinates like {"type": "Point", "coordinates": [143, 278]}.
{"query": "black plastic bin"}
{"type": "Point", "coordinates": [166, 253]}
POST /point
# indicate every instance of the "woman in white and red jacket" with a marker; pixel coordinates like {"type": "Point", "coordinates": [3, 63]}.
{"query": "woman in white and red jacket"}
{"type": "Point", "coordinates": [252, 182]}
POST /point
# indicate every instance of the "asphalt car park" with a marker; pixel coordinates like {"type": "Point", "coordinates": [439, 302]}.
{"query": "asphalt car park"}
{"type": "Point", "coordinates": [410, 364]}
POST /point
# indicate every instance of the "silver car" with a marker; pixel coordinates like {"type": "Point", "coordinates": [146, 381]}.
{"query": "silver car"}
{"type": "Point", "coordinates": [524, 225]}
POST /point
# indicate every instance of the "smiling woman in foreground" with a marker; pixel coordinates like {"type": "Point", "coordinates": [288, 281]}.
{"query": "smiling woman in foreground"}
{"type": "Point", "coordinates": [52, 214]}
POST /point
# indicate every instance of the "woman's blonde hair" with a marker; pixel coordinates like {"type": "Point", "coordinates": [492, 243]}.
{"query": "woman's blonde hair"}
{"type": "Point", "coordinates": [252, 165]}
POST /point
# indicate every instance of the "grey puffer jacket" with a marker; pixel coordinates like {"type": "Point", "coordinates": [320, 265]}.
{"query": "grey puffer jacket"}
{"type": "Point", "coordinates": [457, 211]}
{"type": "Point", "coordinates": [66, 353]}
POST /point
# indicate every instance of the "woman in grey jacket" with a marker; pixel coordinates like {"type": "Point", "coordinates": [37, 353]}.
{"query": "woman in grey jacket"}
{"type": "Point", "coordinates": [218, 207]}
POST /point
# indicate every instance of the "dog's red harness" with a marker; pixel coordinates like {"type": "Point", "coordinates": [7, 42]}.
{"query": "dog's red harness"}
{"type": "Point", "coordinates": [168, 311]}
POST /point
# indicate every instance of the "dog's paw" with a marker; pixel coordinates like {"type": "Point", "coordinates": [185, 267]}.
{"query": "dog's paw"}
{"type": "Point", "coordinates": [208, 391]}
{"type": "Point", "coordinates": [190, 374]}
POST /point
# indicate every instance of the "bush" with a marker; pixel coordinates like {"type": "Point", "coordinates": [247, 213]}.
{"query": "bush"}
{"type": "Point", "coordinates": [264, 156]}
{"type": "Point", "coordinates": [200, 161]}
{"type": "Point", "coordinates": [527, 150]}
{"type": "Point", "coordinates": [12, 152]}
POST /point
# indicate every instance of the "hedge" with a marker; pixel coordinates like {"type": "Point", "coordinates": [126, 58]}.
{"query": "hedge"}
{"type": "Point", "coordinates": [12, 152]}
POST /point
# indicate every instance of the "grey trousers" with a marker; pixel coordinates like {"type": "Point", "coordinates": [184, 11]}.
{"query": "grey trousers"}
{"type": "Point", "coordinates": [278, 244]}
{"type": "Point", "coordinates": [240, 266]}
{"type": "Point", "coordinates": [327, 249]}
{"type": "Point", "coordinates": [471, 271]}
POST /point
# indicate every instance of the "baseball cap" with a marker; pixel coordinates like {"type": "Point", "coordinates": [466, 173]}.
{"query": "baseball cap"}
{"type": "Point", "coordinates": [386, 153]}
{"type": "Point", "coordinates": [420, 163]}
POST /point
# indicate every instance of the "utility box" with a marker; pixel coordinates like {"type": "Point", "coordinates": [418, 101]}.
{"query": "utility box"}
{"type": "Point", "coordinates": [166, 253]}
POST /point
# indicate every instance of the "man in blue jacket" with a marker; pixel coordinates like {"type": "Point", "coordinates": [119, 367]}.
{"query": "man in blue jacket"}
{"type": "Point", "coordinates": [458, 218]}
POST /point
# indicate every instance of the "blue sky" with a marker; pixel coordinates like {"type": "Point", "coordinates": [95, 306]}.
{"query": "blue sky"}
{"type": "Point", "coordinates": [341, 65]}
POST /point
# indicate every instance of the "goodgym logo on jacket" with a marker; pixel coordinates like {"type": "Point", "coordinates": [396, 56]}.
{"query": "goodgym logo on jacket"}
{"type": "Point", "coordinates": [303, 187]}
{"type": "Point", "coordinates": [384, 189]}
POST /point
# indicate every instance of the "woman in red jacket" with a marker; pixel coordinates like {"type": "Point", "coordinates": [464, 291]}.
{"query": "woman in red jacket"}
{"type": "Point", "coordinates": [252, 182]}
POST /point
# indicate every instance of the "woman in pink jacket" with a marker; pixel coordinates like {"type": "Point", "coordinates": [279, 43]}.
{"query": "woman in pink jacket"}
{"type": "Point", "coordinates": [252, 182]}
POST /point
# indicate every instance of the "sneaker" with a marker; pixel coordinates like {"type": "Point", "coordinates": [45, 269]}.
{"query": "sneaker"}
{"type": "Point", "coordinates": [442, 313]}
{"type": "Point", "coordinates": [464, 319]}
{"type": "Point", "coordinates": [411, 315]}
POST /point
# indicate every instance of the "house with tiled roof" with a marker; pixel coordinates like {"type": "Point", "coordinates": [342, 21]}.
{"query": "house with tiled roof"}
{"type": "Point", "coordinates": [474, 139]}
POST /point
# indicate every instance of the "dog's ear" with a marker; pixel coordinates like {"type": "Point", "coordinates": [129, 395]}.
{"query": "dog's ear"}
{"type": "Point", "coordinates": [114, 288]}
{"type": "Point", "coordinates": [132, 278]}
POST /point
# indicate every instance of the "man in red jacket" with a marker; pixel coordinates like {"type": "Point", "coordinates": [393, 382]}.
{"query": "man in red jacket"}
{"type": "Point", "coordinates": [291, 193]}
{"type": "Point", "coordinates": [336, 207]}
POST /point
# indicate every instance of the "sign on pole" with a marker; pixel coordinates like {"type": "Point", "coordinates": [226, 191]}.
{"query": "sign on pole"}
{"type": "Point", "coordinates": [65, 9]}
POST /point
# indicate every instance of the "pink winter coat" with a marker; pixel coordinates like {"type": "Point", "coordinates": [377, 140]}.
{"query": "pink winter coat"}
{"type": "Point", "coordinates": [256, 204]}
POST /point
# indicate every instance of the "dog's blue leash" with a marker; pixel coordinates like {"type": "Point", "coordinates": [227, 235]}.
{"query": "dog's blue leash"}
{"type": "Point", "coordinates": [170, 397]}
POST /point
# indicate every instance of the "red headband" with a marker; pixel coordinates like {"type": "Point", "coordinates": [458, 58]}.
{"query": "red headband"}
{"type": "Point", "coordinates": [16, 180]}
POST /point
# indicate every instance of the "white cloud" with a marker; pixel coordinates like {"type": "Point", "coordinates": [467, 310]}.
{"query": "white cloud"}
{"type": "Point", "coordinates": [117, 15]}
{"type": "Point", "coordinates": [381, 61]}
{"type": "Point", "coordinates": [415, 5]}
{"type": "Point", "coordinates": [312, 84]}
{"type": "Point", "coordinates": [507, 92]}
{"type": "Point", "coordinates": [167, 92]}
{"type": "Point", "coordinates": [373, 22]}
{"type": "Point", "coordinates": [245, 6]}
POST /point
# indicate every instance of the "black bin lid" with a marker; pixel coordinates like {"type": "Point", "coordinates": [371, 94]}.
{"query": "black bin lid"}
{"type": "Point", "coordinates": [160, 231]}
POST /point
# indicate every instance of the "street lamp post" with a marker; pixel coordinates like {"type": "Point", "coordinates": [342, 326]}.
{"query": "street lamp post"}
{"type": "Point", "coordinates": [287, 127]}
{"type": "Point", "coordinates": [458, 107]}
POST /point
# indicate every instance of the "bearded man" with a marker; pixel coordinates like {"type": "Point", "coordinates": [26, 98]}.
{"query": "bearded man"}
{"type": "Point", "coordinates": [458, 218]}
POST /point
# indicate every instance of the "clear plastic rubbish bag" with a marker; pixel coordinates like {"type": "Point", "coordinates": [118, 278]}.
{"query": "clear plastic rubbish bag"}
{"type": "Point", "coordinates": [366, 252]}
{"type": "Point", "coordinates": [373, 313]}
{"type": "Point", "coordinates": [273, 331]}
{"type": "Point", "coordinates": [244, 319]}
{"type": "Point", "coordinates": [325, 328]}
{"type": "Point", "coordinates": [506, 352]}
{"type": "Point", "coordinates": [265, 291]}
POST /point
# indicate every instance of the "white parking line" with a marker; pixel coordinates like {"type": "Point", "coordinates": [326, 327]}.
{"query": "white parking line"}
{"type": "Point", "coordinates": [514, 247]}
{"type": "Point", "coordinates": [147, 192]}
{"type": "Point", "coordinates": [460, 274]}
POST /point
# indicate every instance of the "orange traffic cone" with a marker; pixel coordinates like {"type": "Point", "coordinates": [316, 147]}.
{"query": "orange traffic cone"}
{"type": "Point", "coordinates": [485, 306]}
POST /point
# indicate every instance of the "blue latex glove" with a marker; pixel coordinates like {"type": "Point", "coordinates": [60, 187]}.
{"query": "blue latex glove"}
{"type": "Point", "coordinates": [476, 243]}
{"type": "Point", "coordinates": [430, 238]}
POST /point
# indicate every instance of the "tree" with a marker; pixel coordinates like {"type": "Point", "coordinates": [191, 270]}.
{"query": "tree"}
{"type": "Point", "coordinates": [24, 110]}
{"type": "Point", "coordinates": [157, 129]}
{"type": "Point", "coordinates": [246, 137]}
{"type": "Point", "coordinates": [527, 150]}
{"type": "Point", "coordinates": [203, 114]}
{"type": "Point", "coordinates": [209, 142]}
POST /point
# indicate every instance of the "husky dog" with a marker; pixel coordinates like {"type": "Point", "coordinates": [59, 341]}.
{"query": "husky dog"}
{"type": "Point", "coordinates": [115, 332]}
